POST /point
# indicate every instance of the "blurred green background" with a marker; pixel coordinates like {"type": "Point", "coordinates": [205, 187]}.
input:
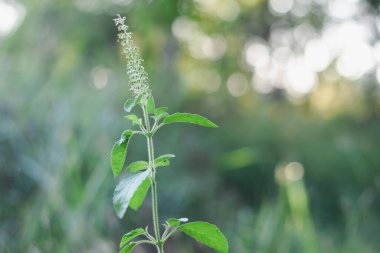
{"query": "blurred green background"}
{"type": "Point", "coordinates": [293, 85]}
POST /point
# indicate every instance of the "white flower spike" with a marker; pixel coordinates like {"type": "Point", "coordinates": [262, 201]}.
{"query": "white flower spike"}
{"type": "Point", "coordinates": [138, 78]}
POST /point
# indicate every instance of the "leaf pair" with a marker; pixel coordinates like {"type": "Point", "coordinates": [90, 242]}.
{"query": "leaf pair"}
{"type": "Point", "coordinates": [204, 232]}
{"type": "Point", "coordinates": [178, 117]}
{"type": "Point", "coordinates": [160, 161]}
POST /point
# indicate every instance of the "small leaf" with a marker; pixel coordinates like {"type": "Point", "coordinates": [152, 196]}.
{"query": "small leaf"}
{"type": "Point", "coordinates": [207, 234]}
{"type": "Point", "coordinates": [189, 118]}
{"type": "Point", "coordinates": [173, 222]}
{"type": "Point", "coordinates": [131, 235]}
{"type": "Point", "coordinates": [140, 194]}
{"type": "Point", "coordinates": [133, 118]}
{"type": "Point", "coordinates": [139, 165]}
{"type": "Point", "coordinates": [126, 189]}
{"type": "Point", "coordinates": [128, 248]}
{"type": "Point", "coordinates": [138, 100]}
{"type": "Point", "coordinates": [163, 160]}
{"type": "Point", "coordinates": [119, 152]}
{"type": "Point", "coordinates": [150, 105]}
{"type": "Point", "coordinates": [129, 104]}
{"type": "Point", "coordinates": [161, 112]}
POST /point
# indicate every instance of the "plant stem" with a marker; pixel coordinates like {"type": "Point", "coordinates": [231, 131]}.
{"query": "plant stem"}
{"type": "Point", "coordinates": [155, 209]}
{"type": "Point", "coordinates": [154, 184]}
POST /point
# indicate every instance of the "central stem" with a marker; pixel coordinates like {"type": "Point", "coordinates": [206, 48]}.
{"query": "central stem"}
{"type": "Point", "coordinates": [154, 185]}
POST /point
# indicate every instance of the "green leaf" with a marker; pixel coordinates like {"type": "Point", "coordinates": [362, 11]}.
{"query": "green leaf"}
{"type": "Point", "coordinates": [161, 112]}
{"type": "Point", "coordinates": [150, 105]}
{"type": "Point", "coordinates": [129, 104]}
{"type": "Point", "coordinates": [126, 189]}
{"type": "Point", "coordinates": [163, 160]}
{"type": "Point", "coordinates": [173, 222]}
{"type": "Point", "coordinates": [207, 234]}
{"type": "Point", "coordinates": [128, 248]}
{"type": "Point", "coordinates": [134, 119]}
{"type": "Point", "coordinates": [119, 152]}
{"type": "Point", "coordinates": [131, 235]}
{"type": "Point", "coordinates": [139, 165]}
{"type": "Point", "coordinates": [189, 118]}
{"type": "Point", "coordinates": [140, 194]}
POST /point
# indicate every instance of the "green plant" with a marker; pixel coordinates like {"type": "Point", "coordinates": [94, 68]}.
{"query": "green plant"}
{"type": "Point", "coordinates": [141, 175]}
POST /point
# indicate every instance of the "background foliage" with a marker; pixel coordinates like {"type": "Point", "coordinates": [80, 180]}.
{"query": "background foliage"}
{"type": "Point", "coordinates": [293, 85]}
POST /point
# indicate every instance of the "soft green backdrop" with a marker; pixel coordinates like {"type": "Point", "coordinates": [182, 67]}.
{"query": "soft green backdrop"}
{"type": "Point", "coordinates": [293, 85]}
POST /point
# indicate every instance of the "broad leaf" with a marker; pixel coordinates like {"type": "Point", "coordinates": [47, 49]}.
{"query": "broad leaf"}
{"type": "Point", "coordinates": [131, 235]}
{"type": "Point", "coordinates": [173, 222]}
{"type": "Point", "coordinates": [128, 248]}
{"type": "Point", "coordinates": [125, 190]}
{"type": "Point", "coordinates": [119, 152]}
{"type": "Point", "coordinates": [133, 118]}
{"type": "Point", "coordinates": [150, 105]}
{"type": "Point", "coordinates": [140, 194]}
{"type": "Point", "coordinates": [163, 160]}
{"type": "Point", "coordinates": [139, 165]}
{"type": "Point", "coordinates": [207, 234]}
{"type": "Point", "coordinates": [189, 118]}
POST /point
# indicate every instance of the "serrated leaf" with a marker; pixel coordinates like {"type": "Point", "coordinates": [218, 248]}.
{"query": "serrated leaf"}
{"type": "Point", "coordinates": [189, 118]}
{"type": "Point", "coordinates": [207, 234]}
{"type": "Point", "coordinates": [150, 105]}
{"type": "Point", "coordinates": [163, 160]}
{"type": "Point", "coordinates": [119, 152]}
{"type": "Point", "coordinates": [137, 166]}
{"type": "Point", "coordinates": [126, 189]}
{"type": "Point", "coordinates": [131, 235]}
{"type": "Point", "coordinates": [128, 248]}
{"type": "Point", "coordinates": [173, 222]}
{"type": "Point", "coordinates": [140, 194]}
{"type": "Point", "coordinates": [136, 120]}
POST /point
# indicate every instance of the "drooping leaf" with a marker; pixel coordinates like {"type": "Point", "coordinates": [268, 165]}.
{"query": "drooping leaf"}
{"type": "Point", "coordinates": [163, 160]}
{"type": "Point", "coordinates": [139, 165]}
{"type": "Point", "coordinates": [173, 222]}
{"type": "Point", "coordinates": [140, 194]}
{"type": "Point", "coordinates": [128, 248]}
{"type": "Point", "coordinates": [133, 118]}
{"type": "Point", "coordinates": [125, 190]}
{"type": "Point", "coordinates": [189, 118]}
{"type": "Point", "coordinates": [131, 235]}
{"type": "Point", "coordinates": [119, 152]}
{"type": "Point", "coordinates": [150, 105]}
{"type": "Point", "coordinates": [207, 234]}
